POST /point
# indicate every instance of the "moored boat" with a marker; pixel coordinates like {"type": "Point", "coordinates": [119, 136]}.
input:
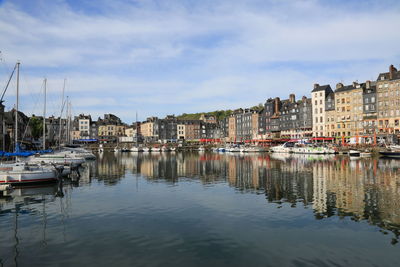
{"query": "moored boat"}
{"type": "Point", "coordinates": [312, 149]}
{"type": "Point", "coordinates": [354, 153]}
{"type": "Point", "coordinates": [390, 154]}
{"type": "Point", "coordinates": [57, 158]}
{"type": "Point", "coordinates": [234, 149]}
{"type": "Point", "coordinates": [164, 149]}
{"type": "Point", "coordinates": [284, 148]}
{"type": "Point", "coordinates": [24, 173]}
{"type": "Point", "coordinates": [365, 154]}
{"type": "Point", "coordinates": [155, 149]}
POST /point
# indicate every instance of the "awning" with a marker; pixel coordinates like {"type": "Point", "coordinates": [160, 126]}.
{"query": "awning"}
{"type": "Point", "coordinates": [322, 139]}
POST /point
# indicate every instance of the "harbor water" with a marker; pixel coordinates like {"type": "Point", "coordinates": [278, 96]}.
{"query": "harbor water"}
{"type": "Point", "coordinates": [208, 209]}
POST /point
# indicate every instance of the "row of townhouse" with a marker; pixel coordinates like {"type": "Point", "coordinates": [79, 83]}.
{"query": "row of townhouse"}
{"type": "Point", "coordinates": [171, 129]}
{"type": "Point", "coordinates": [359, 111]}
{"type": "Point", "coordinates": [278, 119]}
{"type": "Point", "coordinates": [109, 128]}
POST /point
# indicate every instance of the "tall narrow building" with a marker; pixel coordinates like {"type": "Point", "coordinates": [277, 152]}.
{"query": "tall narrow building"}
{"type": "Point", "coordinates": [388, 91]}
{"type": "Point", "coordinates": [318, 96]}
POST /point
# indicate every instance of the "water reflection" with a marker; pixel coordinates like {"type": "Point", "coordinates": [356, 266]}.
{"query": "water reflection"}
{"type": "Point", "coordinates": [363, 189]}
{"type": "Point", "coordinates": [101, 211]}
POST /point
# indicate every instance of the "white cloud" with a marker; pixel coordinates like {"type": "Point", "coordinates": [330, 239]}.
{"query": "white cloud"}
{"type": "Point", "coordinates": [171, 57]}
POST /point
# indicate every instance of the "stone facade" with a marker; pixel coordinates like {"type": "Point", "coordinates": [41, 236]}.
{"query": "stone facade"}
{"type": "Point", "coordinates": [388, 91]}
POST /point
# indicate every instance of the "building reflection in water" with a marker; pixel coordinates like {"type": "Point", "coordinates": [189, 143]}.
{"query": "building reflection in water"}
{"type": "Point", "coordinates": [363, 189]}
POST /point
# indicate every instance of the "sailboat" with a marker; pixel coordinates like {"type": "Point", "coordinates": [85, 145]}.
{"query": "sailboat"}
{"type": "Point", "coordinates": [23, 172]}
{"type": "Point", "coordinates": [68, 158]}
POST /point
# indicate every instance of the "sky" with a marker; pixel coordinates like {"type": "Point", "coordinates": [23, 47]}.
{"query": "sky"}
{"type": "Point", "coordinates": [172, 57]}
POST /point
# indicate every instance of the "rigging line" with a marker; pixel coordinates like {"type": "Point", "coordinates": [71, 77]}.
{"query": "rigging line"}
{"type": "Point", "coordinates": [8, 83]}
{"type": "Point", "coordinates": [3, 60]}
{"type": "Point", "coordinates": [31, 94]}
{"type": "Point", "coordinates": [30, 117]}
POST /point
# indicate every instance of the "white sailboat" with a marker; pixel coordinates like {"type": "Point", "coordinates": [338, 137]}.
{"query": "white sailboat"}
{"type": "Point", "coordinates": [23, 172]}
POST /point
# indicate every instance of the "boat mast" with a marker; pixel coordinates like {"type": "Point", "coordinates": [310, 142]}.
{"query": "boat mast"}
{"type": "Point", "coordinates": [67, 122]}
{"type": "Point", "coordinates": [16, 111]}
{"type": "Point", "coordinates": [62, 108]}
{"type": "Point", "coordinates": [44, 115]}
{"type": "Point", "coordinates": [136, 131]}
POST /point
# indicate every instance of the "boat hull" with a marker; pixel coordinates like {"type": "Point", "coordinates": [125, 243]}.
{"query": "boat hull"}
{"type": "Point", "coordinates": [354, 153]}
{"type": "Point", "coordinates": [28, 177]}
{"type": "Point", "coordinates": [390, 154]}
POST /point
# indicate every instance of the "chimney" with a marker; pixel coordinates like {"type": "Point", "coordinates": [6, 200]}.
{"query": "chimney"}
{"type": "Point", "coordinates": [392, 70]}
{"type": "Point", "coordinates": [276, 108]}
{"type": "Point", "coordinates": [316, 85]}
{"type": "Point", "coordinates": [368, 84]}
{"type": "Point", "coordinates": [292, 98]}
{"type": "Point", "coordinates": [355, 84]}
{"type": "Point", "coordinates": [304, 99]}
{"type": "Point", "coordinates": [339, 85]}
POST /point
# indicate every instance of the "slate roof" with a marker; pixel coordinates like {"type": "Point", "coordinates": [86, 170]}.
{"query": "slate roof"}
{"type": "Point", "coordinates": [345, 88]}
{"type": "Point", "coordinates": [325, 88]}
{"type": "Point", "coordinates": [385, 76]}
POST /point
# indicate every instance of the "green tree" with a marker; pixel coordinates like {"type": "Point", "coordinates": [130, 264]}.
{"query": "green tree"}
{"type": "Point", "coordinates": [36, 124]}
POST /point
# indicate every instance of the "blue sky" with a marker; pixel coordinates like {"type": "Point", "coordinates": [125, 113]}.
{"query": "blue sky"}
{"type": "Point", "coordinates": [169, 57]}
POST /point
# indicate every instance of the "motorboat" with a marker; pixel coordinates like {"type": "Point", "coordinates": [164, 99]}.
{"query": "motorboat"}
{"type": "Point", "coordinates": [365, 154]}
{"type": "Point", "coordinates": [79, 151]}
{"type": "Point", "coordinates": [117, 149]}
{"type": "Point", "coordinates": [391, 152]}
{"type": "Point", "coordinates": [125, 149]}
{"type": "Point", "coordinates": [101, 148]}
{"type": "Point", "coordinates": [24, 173]}
{"type": "Point", "coordinates": [136, 149]}
{"type": "Point", "coordinates": [155, 149]}
{"type": "Point", "coordinates": [253, 149]}
{"type": "Point", "coordinates": [234, 149]}
{"type": "Point", "coordinates": [201, 149]}
{"type": "Point", "coordinates": [284, 148]}
{"type": "Point", "coordinates": [312, 149]}
{"type": "Point", "coordinates": [354, 153]}
{"type": "Point", "coordinates": [173, 149]}
{"type": "Point", "coordinates": [164, 149]}
{"type": "Point", "coordinates": [146, 149]}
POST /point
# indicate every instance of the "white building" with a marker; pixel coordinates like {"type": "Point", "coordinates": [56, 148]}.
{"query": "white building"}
{"type": "Point", "coordinates": [84, 122]}
{"type": "Point", "coordinates": [318, 96]}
